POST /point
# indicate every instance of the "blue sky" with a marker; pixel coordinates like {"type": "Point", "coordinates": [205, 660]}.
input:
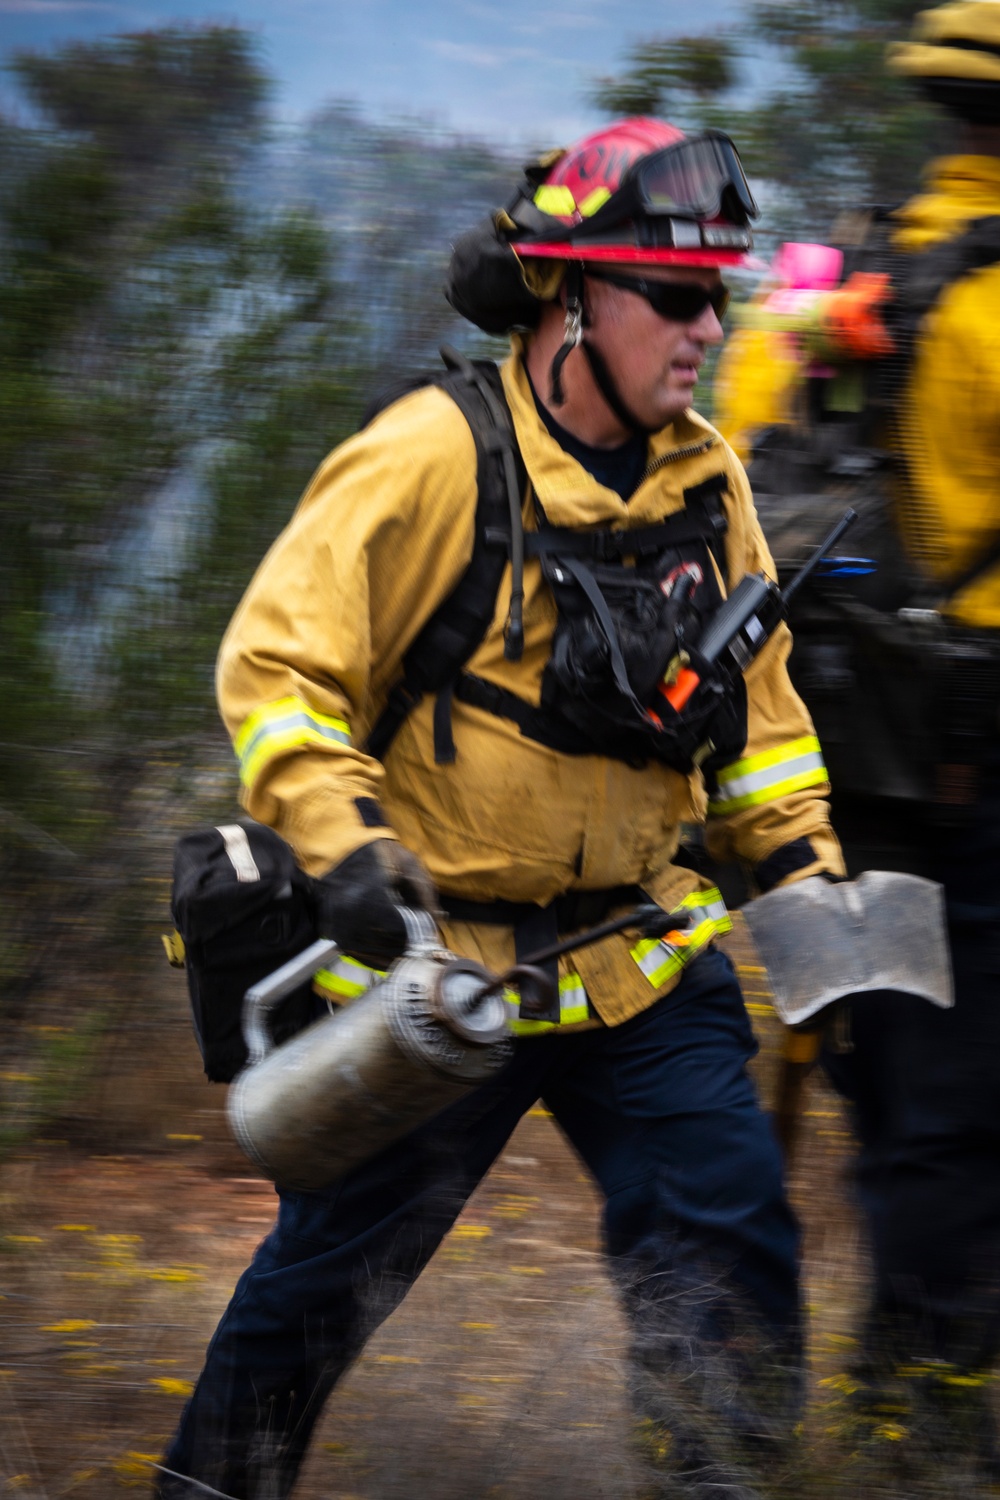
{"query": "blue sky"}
{"type": "Point", "coordinates": [506, 70]}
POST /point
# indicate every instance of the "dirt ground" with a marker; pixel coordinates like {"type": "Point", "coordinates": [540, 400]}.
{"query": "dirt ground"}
{"type": "Point", "coordinates": [501, 1372]}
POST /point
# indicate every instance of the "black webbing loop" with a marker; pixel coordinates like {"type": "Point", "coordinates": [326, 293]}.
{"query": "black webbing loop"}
{"type": "Point", "coordinates": [444, 740]}
{"type": "Point", "coordinates": [588, 583]}
{"type": "Point", "coordinates": [538, 930]}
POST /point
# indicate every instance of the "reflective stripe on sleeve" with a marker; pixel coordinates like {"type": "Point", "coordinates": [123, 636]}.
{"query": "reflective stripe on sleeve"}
{"type": "Point", "coordinates": [284, 725]}
{"type": "Point", "coordinates": [573, 1007]}
{"type": "Point", "coordinates": [661, 958]}
{"type": "Point", "coordinates": [768, 776]}
{"type": "Point", "coordinates": [346, 979]}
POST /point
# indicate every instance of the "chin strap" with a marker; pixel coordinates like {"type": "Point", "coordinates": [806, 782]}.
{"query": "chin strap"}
{"type": "Point", "coordinates": [573, 332]}
{"type": "Point", "coordinates": [576, 321]}
{"type": "Point", "coordinates": [606, 385]}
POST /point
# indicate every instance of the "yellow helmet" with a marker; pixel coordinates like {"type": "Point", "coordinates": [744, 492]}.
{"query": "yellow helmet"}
{"type": "Point", "coordinates": [953, 55]}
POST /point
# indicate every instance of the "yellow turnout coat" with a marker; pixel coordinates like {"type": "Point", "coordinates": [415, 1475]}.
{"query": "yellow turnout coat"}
{"type": "Point", "coordinates": [379, 540]}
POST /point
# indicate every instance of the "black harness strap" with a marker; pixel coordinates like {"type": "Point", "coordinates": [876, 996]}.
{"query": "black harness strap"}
{"type": "Point", "coordinates": [456, 628]}
{"type": "Point", "coordinates": [572, 911]}
{"type": "Point", "coordinates": [534, 723]}
{"type": "Point", "coordinates": [435, 660]}
{"type": "Point", "coordinates": [704, 500]}
{"type": "Point", "coordinates": [612, 546]}
{"type": "Point", "coordinates": [537, 927]}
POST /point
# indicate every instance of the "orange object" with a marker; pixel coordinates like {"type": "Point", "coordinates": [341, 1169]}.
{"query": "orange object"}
{"type": "Point", "coordinates": [851, 316]}
{"type": "Point", "coordinates": [680, 691]}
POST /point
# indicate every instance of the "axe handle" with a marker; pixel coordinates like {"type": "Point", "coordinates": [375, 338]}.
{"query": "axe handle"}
{"type": "Point", "coordinates": [798, 1058]}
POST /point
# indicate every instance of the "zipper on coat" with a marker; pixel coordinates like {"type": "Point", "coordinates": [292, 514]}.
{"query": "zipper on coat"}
{"type": "Point", "coordinates": [691, 450]}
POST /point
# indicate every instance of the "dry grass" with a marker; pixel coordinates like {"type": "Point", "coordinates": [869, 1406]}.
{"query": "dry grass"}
{"type": "Point", "coordinates": [501, 1374]}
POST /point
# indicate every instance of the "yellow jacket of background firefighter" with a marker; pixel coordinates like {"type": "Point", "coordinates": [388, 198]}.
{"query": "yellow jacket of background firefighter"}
{"type": "Point", "coordinates": [382, 535]}
{"type": "Point", "coordinates": [950, 419]}
{"type": "Point", "coordinates": [948, 512]}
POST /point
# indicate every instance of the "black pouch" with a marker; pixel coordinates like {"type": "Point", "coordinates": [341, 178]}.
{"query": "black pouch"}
{"type": "Point", "coordinates": [617, 633]}
{"type": "Point", "coordinates": [243, 908]}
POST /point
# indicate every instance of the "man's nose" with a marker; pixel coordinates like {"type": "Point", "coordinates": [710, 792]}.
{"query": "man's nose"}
{"type": "Point", "coordinates": [706, 327]}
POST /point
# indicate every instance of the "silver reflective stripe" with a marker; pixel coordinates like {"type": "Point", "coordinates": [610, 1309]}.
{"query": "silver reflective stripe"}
{"type": "Point", "coordinates": [771, 776]}
{"type": "Point", "coordinates": [704, 915]}
{"type": "Point", "coordinates": [756, 779]}
{"type": "Point", "coordinates": [234, 836]}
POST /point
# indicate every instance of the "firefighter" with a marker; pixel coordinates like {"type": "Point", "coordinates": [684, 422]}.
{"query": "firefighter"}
{"type": "Point", "coordinates": [531, 796]}
{"type": "Point", "coordinates": [924, 1081]}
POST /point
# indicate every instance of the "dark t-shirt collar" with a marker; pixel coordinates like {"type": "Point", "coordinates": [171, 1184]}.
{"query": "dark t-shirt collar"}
{"type": "Point", "coordinates": [619, 469]}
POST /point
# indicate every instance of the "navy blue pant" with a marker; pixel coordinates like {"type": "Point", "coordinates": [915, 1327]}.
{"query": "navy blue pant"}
{"type": "Point", "coordinates": [925, 1084]}
{"type": "Point", "coordinates": [702, 1242]}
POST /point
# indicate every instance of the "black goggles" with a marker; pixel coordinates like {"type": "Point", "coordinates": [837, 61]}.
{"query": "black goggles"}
{"type": "Point", "coordinates": [699, 178]}
{"type": "Point", "coordinates": [702, 177]}
{"type": "Point", "coordinates": [680, 301]}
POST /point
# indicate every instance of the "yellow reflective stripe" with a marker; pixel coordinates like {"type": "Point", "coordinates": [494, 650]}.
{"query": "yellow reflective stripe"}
{"type": "Point", "coordinates": [573, 1007]}
{"type": "Point", "coordinates": [768, 776]}
{"type": "Point", "coordinates": [553, 199]}
{"type": "Point", "coordinates": [594, 201]}
{"type": "Point", "coordinates": [659, 959]}
{"type": "Point", "coordinates": [346, 978]}
{"type": "Point", "coordinates": [559, 200]}
{"type": "Point", "coordinates": [284, 725]}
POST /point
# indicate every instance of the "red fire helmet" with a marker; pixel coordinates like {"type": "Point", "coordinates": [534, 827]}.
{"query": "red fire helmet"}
{"type": "Point", "coordinates": [639, 191]}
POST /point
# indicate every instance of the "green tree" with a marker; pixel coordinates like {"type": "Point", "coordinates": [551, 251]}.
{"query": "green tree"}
{"type": "Point", "coordinates": [842, 130]}
{"type": "Point", "coordinates": [174, 361]}
{"type": "Point", "coordinates": [676, 77]}
{"type": "Point", "coordinates": [836, 129]}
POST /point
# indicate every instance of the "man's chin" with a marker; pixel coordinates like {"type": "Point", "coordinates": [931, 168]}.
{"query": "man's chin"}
{"type": "Point", "coordinates": [676, 405]}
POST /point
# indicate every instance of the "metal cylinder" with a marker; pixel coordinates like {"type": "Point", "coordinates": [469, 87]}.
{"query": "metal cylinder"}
{"type": "Point", "coordinates": [357, 1080]}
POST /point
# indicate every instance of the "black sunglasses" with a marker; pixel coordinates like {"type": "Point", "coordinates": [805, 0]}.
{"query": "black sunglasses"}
{"type": "Point", "coordinates": [680, 301]}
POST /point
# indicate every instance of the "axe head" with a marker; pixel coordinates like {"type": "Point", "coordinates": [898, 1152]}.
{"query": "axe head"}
{"type": "Point", "coordinates": [822, 941]}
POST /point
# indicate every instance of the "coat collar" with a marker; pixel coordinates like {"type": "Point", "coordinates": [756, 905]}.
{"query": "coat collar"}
{"type": "Point", "coordinates": [958, 189]}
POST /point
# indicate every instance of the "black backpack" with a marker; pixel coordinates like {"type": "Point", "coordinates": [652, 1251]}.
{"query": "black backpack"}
{"type": "Point", "coordinates": [900, 698]}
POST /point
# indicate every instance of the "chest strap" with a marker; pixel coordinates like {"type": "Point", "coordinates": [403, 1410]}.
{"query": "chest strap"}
{"type": "Point", "coordinates": [538, 724]}
{"type": "Point", "coordinates": [607, 546]}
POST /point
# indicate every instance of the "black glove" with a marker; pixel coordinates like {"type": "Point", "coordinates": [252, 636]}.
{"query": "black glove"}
{"type": "Point", "coordinates": [358, 901]}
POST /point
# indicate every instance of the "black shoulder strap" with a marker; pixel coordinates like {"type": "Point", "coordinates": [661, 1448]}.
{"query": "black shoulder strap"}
{"type": "Point", "coordinates": [458, 625]}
